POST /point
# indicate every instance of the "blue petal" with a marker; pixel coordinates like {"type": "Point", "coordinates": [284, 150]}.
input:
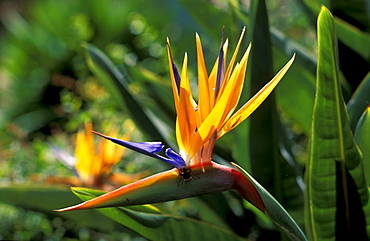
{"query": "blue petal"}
{"type": "Point", "coordinates": [174, 69]}
{"type": "Point", "coordinates": [177, 77]}
{"type": "Point", "coordinates": [220, 68]}
{"type": "Point", "coordinates": [150, 149]}
{"type": "Point", "coordinates": [176, 159]}
{"type": "Point", "coordinates": [146, 148]}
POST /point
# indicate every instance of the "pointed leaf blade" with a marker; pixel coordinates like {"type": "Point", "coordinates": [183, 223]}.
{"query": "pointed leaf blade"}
{"type": "Point", "coordinates": [336, 189]}
{"type": "Point", "coordinates": [45, 199]}
{"type": "Point", "coordinates": [117, 86]}
{"type": "Point", "coordinates": [362, 135]}
{"type": "Point", "coordinates": [154, 224]}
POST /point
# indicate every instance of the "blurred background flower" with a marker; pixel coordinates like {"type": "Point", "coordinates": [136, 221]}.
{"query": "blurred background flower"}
{"type": "Point", "coordinates": [93, 163]}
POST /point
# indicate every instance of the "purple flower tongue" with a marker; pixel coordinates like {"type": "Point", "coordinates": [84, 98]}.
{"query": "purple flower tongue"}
{"type": "Point", "coordinates": [177, 77]}
{"type": "Point", "coordinates": [146, 148]}
{"type": "Point", "coordinates": [149, 149]}
{"type": "Point", "coordinates": [220, 68]}
{"type": "Point", "coordinates": [174, 69]}
{"type": "Point", "coordinates": [176, 159]}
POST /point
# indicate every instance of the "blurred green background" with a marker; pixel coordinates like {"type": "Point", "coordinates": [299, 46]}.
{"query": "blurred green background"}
{"type": "Point", "coordinates": [47, 93]}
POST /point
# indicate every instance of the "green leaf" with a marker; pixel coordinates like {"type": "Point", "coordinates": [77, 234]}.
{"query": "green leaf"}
{"type": "Point", "coordinates": [297, 104]}
{"type": "Point", "coordinates": [39, 118]}
{"type": "Point", "coordinates": [279, 40]}
{"type": "Point", "coordinates": [207, 213]}
{"type": "Point", "coordinates": [159, 89]}
{"type": "Point", "coordinates": [351, 36]}
{"type": "Point", "coordinates": [275, 211]}
{"type": "Point", "coordinates": [154, 224]}
{"type": "Point", "coordinates": [336, 189]}
{"type": "Point", "coordinates": [301, 75]}
{"type": "Point", "coordinates": [288, 46]}
{"type": "Point", "coordinates": [354, 38]}
{"type": "Point", "coordinates": [88, 192]}
{"type": "Point", "coordinates": [156, 85]}
{"type": "Point", "coordinates": [116, 84]}
{"type": "Point", "coordinates": [217, 208]}
{"type": "Point", "coordinates": [45, 200]}
{"type": "Point", "coordinates": [216, 17]}
{"type": "Point", "coordinates": [357, 11]}
{"type": "Point", "coordinates": [263, 147]}
{"type": "Point", "coordinates": [360, 99]}
{"type": "Point", "coordinates": [267, 163]}
{"type": "Point", "coordinates": [367, 214]}
{"type": "Point", "coordinates": [362, 135]}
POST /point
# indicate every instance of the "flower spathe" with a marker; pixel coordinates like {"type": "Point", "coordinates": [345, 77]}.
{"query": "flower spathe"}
{"type": "Point", "coordinates": [165, 186]}
{"type": "Point", "coordinates": [198, 126]}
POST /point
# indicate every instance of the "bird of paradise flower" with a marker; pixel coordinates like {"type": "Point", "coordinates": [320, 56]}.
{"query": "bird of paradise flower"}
{"type": "Point", "coordinates": [93, 168]}
{"type": "Point", "coordinates": [198, 126]}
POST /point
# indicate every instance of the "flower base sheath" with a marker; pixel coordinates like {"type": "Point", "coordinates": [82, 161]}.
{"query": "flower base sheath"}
{"type": "Point", "coordinates": [168, 185]}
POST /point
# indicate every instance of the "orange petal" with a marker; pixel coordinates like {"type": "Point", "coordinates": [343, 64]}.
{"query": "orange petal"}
{"type": "Point", "coordinates": [242, 65]}
{"type": "Point", "coordinates": [187, 120]}
{"type": "Point", "coordinates": [255, 101]}
{"type": "Point", "coordinates": [84, 152]}
{"type": "Point", "coordinates": [204, 97]}
{"type": "Point", "coordinates": [217, 115]}
{"type": "Point", "coordinates": [173, 82]}
{"type": "Point", "coordinates": [232, 61]}
{"type": "Point", "coordinates": [236, 83]}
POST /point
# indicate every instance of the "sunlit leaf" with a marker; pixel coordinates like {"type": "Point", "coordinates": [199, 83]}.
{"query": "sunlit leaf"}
{"type": "Point", "coordinates": [266, 161]}
{"type": "Point", "coordinates": [336, 188]}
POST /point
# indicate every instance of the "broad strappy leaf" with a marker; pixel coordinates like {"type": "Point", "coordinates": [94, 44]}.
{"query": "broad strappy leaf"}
{"type": "Point", "coordinates": [115, 83]}
{"type": "Point", "coordinates": [45, 199]}
{"type": "Point", "coordinates": [153, 224]}
{"type": "Point", "coordinates": [336, 188]}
